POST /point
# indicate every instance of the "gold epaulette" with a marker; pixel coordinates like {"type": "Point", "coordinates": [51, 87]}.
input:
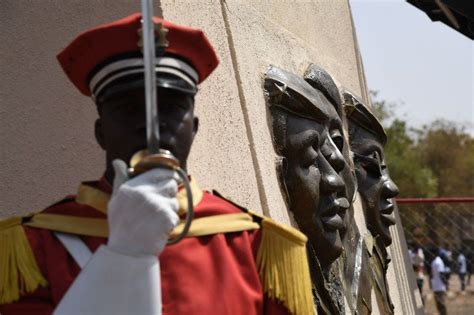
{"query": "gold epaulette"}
{"type": "Point", "coordinates": [283, 264]}
{"type": "Point", "coordinates": [283, 267]}
{"type": "Point", "coordinates": [19, 272]}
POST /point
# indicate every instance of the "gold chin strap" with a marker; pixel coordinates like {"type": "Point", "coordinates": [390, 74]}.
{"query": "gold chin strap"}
{"type": "Point", "coordinates": [97, 199]}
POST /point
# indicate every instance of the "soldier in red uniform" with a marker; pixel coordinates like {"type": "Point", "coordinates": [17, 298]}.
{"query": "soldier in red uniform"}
{"type": "Point", "coordinates": [103, 250]}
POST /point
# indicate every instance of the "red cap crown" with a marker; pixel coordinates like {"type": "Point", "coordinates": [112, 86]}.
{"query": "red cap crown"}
{"type": "Point", "coordinates": [97, 45]}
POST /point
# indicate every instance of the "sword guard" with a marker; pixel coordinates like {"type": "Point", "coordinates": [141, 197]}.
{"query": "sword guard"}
{"type": "Point", "coordinates": [143, 161]}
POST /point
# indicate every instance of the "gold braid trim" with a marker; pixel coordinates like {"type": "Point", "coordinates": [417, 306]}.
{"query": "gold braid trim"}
{"type": "Point", "coordinates": [223, 223]}
{"type": "Point", "coordinates": [283, 267]}
{"type": "Point", "coordinates": [70, 224]}
{"type": "Point", "coordinates": [19, 272]}
{"type": "Point", "coordinates": [93, 197]}
{"type": "Point", "coordinates": [216, 224]}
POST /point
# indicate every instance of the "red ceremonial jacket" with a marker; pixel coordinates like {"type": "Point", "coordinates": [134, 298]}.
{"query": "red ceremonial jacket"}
{"type": "Point", "coordinates": [214, 274]}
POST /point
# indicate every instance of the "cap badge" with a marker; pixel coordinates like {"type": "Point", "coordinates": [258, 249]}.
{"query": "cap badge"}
{"type": "Point", "coordinates": [160, 35]}
{"type": "Point", "coordinates": [281, 89]}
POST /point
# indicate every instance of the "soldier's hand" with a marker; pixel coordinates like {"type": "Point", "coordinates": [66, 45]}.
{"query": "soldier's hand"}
{"type": "Point", "coordinates": [142, 211]}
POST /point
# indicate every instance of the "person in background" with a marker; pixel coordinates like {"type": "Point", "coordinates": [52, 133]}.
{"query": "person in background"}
{"type": "Point", "coordinates": [417, 258]}
{"type": "Point", "coordinates": [447, 257]}
{"type": "Point", "coordinates": [462, 269]}
{"type": "Point", "coordinates": [469, 261]}
{"type": "Point", "coordinates": [437, 279]}
{"type": "Point", "coordinates": [419, 267]}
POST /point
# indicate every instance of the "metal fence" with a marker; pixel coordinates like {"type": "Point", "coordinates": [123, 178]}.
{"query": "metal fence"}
{"type": "Point", "coordinates": [449, 228]}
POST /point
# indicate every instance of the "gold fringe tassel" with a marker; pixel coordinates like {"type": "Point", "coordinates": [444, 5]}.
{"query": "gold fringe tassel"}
{"type": "Point", "coordinates": [19, 272]}
{"type": "Point", "coordinates": [283, 267]}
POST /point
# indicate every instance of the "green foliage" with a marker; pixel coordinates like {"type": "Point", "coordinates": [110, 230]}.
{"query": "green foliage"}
{"type": "Point", "coordinates": [449, 152]}
{"type": "Point", "coordinates": [406, 165]}
{"type": "Point", "coordinates": [436, 160]}
{"type": "Point", "coordinates": [382, 109]}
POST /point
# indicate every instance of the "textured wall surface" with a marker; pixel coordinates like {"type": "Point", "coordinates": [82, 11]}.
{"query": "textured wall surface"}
{"type": "Point", "coordinates": [46, 126]}
{"type": "Point", "coordinates": [283, 34]}
{"type": "Point", "coordinates": [221, 155]}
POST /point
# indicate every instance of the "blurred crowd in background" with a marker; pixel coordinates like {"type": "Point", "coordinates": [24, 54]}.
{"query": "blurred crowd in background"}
{"type": "Point", "coordinates": [437, 267]}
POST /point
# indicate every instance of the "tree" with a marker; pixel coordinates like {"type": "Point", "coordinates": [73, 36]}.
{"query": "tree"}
{"type": "Point", "coordinates": [449, 151]}
{"type": "Point", "coordinates": [436, 160]}
{"type": "Point", "coordinates": [403, 157]}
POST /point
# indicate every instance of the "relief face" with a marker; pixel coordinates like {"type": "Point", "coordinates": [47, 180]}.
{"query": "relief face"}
{"type": "Point", "coordinates": [375, 185]}
{"type": "Point", "coordinates": [377, 189]}
{"type": "Point", "coordinates": [321, 81]}
{"type": "Point", "coordinates": [308, 138]}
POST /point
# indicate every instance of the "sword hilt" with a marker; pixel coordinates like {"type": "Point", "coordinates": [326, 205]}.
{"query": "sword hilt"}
{"type": "Point", "coordinates": [142, 161]}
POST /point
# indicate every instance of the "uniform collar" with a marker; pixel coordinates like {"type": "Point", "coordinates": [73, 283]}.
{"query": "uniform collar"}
{"type": "Point", "coordinates": [98, 197]}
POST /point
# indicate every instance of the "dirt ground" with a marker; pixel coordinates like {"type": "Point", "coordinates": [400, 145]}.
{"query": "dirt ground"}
{"type": "Point", "coordinates": [457, 302]}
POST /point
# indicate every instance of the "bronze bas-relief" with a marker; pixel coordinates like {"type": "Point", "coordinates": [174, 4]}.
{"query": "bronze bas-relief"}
{"type": "Point", "coordinates": [322, 82]}
{"type": "Point", "coordinates": [308, 137]}
{"type": "Point", "coordinates": [367, 140]}
{"type": "Point", "coordinates": [346, 268]}
{"type": "Point", "coordinates": [318, 181]}
{"type": "Point", "coordinates": [376, 188]}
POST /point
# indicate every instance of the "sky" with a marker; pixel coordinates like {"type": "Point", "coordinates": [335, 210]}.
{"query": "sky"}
{"type": "Point", "coordinates": [426, 67]}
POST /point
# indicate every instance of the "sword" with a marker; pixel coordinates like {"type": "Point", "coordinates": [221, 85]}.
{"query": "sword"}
{"type": "Point", "coordinates": [152, 118]}
{"type": "Point", "coordinates": [153, 156]}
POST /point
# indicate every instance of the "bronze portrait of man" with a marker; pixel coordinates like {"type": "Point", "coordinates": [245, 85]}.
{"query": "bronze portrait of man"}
{"type": "Point", "coordinates": [308, 138]}
{"type": "Point", "coordinates": [367, 140]}
{"type": "Point", "coordinates": [376, 188]}
{"type": "Point", "coordinates": [348, 270]}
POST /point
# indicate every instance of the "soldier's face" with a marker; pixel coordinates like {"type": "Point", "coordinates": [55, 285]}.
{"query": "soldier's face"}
{"type": "Point", "coordinates": [316, 190]}
{"type": "Point", "coordinates": [121, 128]}
{"type": "Point", "coordinates": [375, 185]}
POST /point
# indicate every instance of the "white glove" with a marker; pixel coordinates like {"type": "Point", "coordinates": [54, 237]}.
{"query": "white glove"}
{"type": "Point", "coordinates": [124, 276]}
{"type": "Point", "coordinates": [142, 211]}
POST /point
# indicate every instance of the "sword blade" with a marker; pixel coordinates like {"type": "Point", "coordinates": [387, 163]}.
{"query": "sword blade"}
{"type": "Point", "coordinates": [152, 118]}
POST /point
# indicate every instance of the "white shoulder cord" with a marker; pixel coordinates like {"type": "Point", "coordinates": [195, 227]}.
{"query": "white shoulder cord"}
{"type": "Point", "coordinates": [75, 247]}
